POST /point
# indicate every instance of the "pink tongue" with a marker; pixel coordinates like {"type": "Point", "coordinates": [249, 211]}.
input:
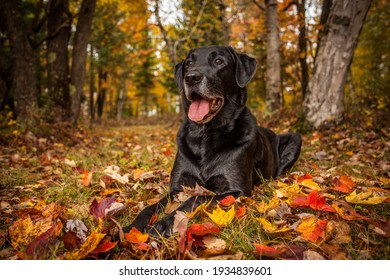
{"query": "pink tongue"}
{"type": "Point", "coordinates": [198, 109]}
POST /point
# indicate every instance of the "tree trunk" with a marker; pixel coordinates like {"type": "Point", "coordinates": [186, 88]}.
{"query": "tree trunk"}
{"type": "Point", "coordinates": [57, 60]}
{"type": "Point", "coordinates": [302, 43]}
{"type": "Point", "coordinates": [324, 99]}
{"type": "Point", "coordinates": [325, 11]}
{"type": "Point", "coordinates": [102, 76]}
{"type": "Point", "coordinates": [224, 22]}
{"type": "Point", "coordinates": [91, 85]}
{"type": "Point", "coordinates": [79, 55]}
{"type": "Point", "coordinates": [24, 80]}
{"type": "Point", "coordinates": [273, 97]}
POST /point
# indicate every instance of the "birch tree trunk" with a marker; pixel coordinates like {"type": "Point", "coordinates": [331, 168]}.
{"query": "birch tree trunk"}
{"type": "Point", "coordinates": [273, 97]}
{"type": "Point", "coordinates": [324, 96]}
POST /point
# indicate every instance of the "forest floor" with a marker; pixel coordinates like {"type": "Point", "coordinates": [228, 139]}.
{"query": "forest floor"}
{"type": "Point", "coordinates": [63, 193]}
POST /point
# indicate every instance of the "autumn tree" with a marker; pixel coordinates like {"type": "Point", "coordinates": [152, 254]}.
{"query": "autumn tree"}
{"type": "Point", "coordinates": [324, 99]}
{"type": "Point", "coordinates": [273, 80]}
{"type": "Point", "coordinates": [79, 55]}
{"type": "Point", "coordinates": [23, 72]}
{"type": "Point", "coordinates": [58, 33]}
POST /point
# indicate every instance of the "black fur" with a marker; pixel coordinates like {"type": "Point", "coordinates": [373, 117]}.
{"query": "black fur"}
{"type": "Point", "coordinates": [225, 151]}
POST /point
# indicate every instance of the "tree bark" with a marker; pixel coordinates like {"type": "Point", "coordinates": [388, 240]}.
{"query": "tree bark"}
{"type": "Point", "coordinates": [101, 98]}
{"type": "Point", "coordinates": [23, 72]}
{"type": "Point", "coordinates": [57, 60]}
{"type": "Point", "coordinates": [79, 56]}
{"type": "Point", "coordinates": [325, 11]}
{"type": "Point", "coordinates": [273, 80]}
{"type": "Point", "coordinates": [302, 44]}
{"type": "Point", "coordinates": [324, 99]}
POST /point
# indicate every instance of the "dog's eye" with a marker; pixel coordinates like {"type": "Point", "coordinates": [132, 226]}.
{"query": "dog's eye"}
{"type": "Point", "coordinates": [189, 62]}
{"type": "Point", "coordinates": [218, 61]}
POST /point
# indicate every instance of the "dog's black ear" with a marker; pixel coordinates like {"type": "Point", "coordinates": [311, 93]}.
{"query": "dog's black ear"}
{"type": "Point", "coordinates": [179, 75]}
{"type": "Point", "coordinates": [245, 67]}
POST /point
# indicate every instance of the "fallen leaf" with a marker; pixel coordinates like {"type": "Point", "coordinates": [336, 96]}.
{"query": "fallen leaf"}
{"type": "Point", "coordinates": [312, 228]}
{"type": "Point", "coordinates": [266, 251]}
{"type": "Point", "coordinates": [88, 246]}
{"type": "Point", "coordinates": [263, 207]}
{"type": "Point", "coordinates": [98, 209]}
{"type": "Point", "coordinates": [240, 212]}
{"type": "Point", "coordinates": [213, 245]}
{"type": "Point", "coordinates": [71, 241]}
{"type": "Point", "coordinates": [203, 229]}
{"type": "Point", "coordinates": [347, 212]}
{"type": "Point", "coordinates": [220, 217]}
{"type": "Point", "coordinates": [104, 246]}
{"type": "Point", "coordinates": [135, 236]}
{"type": "Point", "coordinates": [78, 227]}
{"type": "Point", "coordinates": [309, 183]}
{"type": "Point", "coordinates": [227, 201]}
{"type": "Point", "coordinates": [343, 184]}
{"type": "Point", "coordinates": [312, 255]}
{"type": "Point", "coordinates": [270, 228]}
{"type": "Point", "coordinates": [24, 230]}
{"type": "Point", "coordinates": [40, 246]}
{"type": "Point", "coordinates": [367, 197]}
{"type": "Point", "coordinates": [314, 200]}
{"type": "Point", "coordinates": [339, 231]}
{"type": "Point", "coordinates": [86, 179]}
{"type": "Point", "coordinates": [180, 223]}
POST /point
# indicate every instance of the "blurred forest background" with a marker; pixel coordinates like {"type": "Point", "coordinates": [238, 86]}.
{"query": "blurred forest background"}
{"type": "Point", "coordinates": [66, 61]}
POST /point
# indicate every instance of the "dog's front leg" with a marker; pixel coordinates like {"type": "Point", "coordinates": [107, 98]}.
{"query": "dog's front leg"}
{"type": "Point", "coordinates": [164, 226]}
{"type": "Point", "coordinates": [141, 222]}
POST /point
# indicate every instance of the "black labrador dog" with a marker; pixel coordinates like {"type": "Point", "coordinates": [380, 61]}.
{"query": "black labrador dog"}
{"type": "Point", "coordinates": [220, 145]}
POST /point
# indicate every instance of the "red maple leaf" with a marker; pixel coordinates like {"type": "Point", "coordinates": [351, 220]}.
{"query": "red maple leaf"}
{"type": "Point", "coordinates": [104, 246]}
{"type": "Point", "coordinates": [266, 251]}
{"type": "Point", "coordinates": [227, 201]}
{"type": "Point", "coordinates": [97, 209]}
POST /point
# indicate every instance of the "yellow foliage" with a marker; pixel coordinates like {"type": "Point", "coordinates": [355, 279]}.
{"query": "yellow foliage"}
{"type": "Point", "coordinates": [220, 217]}
{"type": "Point", "coordinates": [367, 197]}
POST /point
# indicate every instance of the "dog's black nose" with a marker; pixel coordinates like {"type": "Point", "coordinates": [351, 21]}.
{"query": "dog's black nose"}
{"type": "Point", "coordinates": [192, 78]}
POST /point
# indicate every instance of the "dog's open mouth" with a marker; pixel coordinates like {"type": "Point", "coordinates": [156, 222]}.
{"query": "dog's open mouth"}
{"type": "Point", "coordinates": [203, 109]}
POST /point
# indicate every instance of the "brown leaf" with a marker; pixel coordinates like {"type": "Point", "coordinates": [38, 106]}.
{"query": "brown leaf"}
{"type": "Point", "coordinates": [71, 241]}
{"type": "Point", "coordinates": [213, 245]}
{"type": "Point", "coordinates": [88, 246]}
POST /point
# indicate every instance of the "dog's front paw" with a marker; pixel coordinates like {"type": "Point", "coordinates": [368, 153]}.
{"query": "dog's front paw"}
{"type": "Point", "coordinates": [162, 228]}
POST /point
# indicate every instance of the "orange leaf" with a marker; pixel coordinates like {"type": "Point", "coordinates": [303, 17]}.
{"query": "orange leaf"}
{"type": "Point", "coordinates": [227, 201]}
{"type": "Point", "coordinates": [312, 228]}
{"type": "Point", "coordinates": [240, 212]}
{"type": "Point", "coordinates": [87, 177]}
{"type": "Point", "coordinates": [203, 229]}
{"type": "Point", "coordinates": [304, 177]}
{"type": "Point", "coordinates": [88, 246]}
{"type": "Point", "coordinates": [343, 184]}
{"type": "Point", "coordinates": [314, 200]}
{"type": "Point", "coordinates": [135, 236]}
{"type": "Point", "coordinates": [104, 246]}
{"type": "Point", "coordinates": [266, 251]}
{"type": "Point", "coordinates": [347, 212]}
{"type": "Point", "coordinates": [142, 246]}
{"type": "Point", "coordinates": [153, 219]}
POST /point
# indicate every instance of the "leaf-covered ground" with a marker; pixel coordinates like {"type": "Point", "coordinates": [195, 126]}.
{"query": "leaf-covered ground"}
{"type": "Point", "coordinates": [64, 193]}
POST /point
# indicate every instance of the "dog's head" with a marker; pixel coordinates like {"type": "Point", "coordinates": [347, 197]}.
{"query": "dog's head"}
{"type": "Point", "coordinates": [213, 79]}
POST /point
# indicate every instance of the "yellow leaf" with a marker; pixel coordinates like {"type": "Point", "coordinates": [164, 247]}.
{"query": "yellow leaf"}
{"type": "Point", "coordinates": [309, 183]}
{"type": "Point", "coordinates": [198, 209]}
{"type": "Point", "coordinates": [365, 198]}
{"type": "Point", "coordinates": [220, 217]}
{"type": "Point", "coordinates": [24, 230]}
{"type": "Point", "coordinates": [88, 246]}
{"type": "Point", "coordinates": [270, 228]}
{"type": "Point", "coordinates": [312, 228]}
{"type": "Point", "coordinates": [264, 207]}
